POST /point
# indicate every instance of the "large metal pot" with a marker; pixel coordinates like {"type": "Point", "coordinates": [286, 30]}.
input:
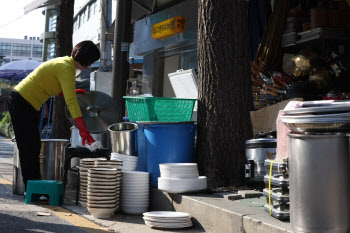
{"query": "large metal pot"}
{"type": "Point", "coordinates": [319, 183]}
{"type": "Point", "coordinates": [257, 151]}
{"type": "Point", "coordinates": [123, 138]}
{"type": "Point", "coordinates": [75, 138]}
{"type": "Point", "coordinates": [75, 141]}
{"type": "Point", "coordinates": [52, 158]}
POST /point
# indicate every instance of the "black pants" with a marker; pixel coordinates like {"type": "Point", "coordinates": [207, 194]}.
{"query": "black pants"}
{"type": "Point", "coordinates": [25, 121]}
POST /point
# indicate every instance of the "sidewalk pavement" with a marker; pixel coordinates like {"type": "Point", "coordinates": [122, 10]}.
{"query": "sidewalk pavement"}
{"type": "Point", "coordinates": [66, 218]}
{"type": "Point", "coordinates": [210, 213]}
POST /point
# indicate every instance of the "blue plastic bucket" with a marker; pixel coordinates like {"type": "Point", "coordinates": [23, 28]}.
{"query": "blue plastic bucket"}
{"type": "Point", "coordinates": [167, 143]}
{"type": "Point", "coordinates": [141, 148]}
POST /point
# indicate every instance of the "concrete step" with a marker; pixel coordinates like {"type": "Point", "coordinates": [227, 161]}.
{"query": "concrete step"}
{"type": "Point", "coordinates": [218, 214]}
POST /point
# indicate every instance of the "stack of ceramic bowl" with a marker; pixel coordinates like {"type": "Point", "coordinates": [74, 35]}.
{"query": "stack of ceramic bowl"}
{"type": "Point", "coordinates": [85, 164]}
{"type": "Point", "coordinates": [112, 164]}
{"type": "Point", "coordinates": [129, 162]}
{"type": "Point", "coordinates": [180, 178]}
{"type": "Point", "coordinates": [103, 186]}
{"type": "Point", "coordinates": [135, 192]}
{"type": "Point", "coordinates": [167, 219]}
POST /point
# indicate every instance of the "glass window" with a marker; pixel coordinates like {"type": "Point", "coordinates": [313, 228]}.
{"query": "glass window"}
{"type": "Point", "coordinates": [89, 12]}
{"type": "Point", "coordinates": [51, 49]}
{"type": "Point", "coordinates": [189, 60]}
{"type": "Point", "coordinates": [21, 50]}
{"type": "Point", "coordinates": [53, 21]}
{"type": "Point", "coordinates": [83, 16]}
{"type": "Point", "coordinates": [95, 7]}
{"type": "Point", "coordinates": [5, 61]}
{"type": "Point", "coordinates": [37, 50]}
{"type": "Point", "coordinates": [5, 48]}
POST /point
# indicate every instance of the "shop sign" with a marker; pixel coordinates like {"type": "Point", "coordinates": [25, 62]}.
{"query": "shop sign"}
{"type": "Point", "coordinates": [168, 27]}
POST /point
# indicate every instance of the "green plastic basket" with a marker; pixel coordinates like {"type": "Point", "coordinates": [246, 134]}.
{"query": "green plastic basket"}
{"type": "Point", "coordinates": [159, 109]}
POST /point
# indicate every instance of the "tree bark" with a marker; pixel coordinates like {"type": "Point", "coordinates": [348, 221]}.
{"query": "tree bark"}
{"type": "Point", "coordinates": [64, 33]}
{"type": "Point", "coordinates": [224, 91]}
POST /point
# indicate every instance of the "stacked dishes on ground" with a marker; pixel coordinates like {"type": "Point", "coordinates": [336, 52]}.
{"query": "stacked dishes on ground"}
{"type": "Point", "coordinates": [129, 162]}
{"type": "Point", "coordinates": [319, 118]}
{"type": "Point", "coordinates": [135, 192]}
{"type": "Point", "coordinates": [85, 164]}
{"type": "Point", "coordinates": [180, 178]}
{"type": "Point", "coordinates": [111, 164]}
{"type": "Point", "coordinates": [167, 219]}
{"type": "Point", "coordinates": [103, 186]}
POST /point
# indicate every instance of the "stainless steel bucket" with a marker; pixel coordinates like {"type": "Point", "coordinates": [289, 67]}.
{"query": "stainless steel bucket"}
{"type": "Point", "coordinates": [319, 183]}
{"type": "Point", "coordinates": [75, 141]}
{"type": "Point", "coordinates": [17, 184]}
{"type": "Point", "coordinates": [258, 150]}
{"type": "Point", "coordinates": [123, 138]}
{"type": "Point", "coordinates": [52, 158]}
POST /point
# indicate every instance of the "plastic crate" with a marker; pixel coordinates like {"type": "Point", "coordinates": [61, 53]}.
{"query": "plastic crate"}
{"type": "Point", "coordinates": [159, 109]}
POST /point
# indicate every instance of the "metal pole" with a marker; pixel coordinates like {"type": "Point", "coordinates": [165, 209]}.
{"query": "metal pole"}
{"type": "Point", "coordinates": [120, 53]}
{"type": "Point", "coordinates": [103, 28]}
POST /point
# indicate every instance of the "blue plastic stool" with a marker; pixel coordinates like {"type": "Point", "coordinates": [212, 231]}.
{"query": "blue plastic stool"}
{"type": "Point", "coordinates": [35, 188]}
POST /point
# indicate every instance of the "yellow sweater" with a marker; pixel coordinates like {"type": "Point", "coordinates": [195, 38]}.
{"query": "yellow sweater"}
{"type": "Point", "coordinates": [50, 78]}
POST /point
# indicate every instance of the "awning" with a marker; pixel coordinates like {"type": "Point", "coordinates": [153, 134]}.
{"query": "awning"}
{"type": "Point", "coordinates": [37, 4]}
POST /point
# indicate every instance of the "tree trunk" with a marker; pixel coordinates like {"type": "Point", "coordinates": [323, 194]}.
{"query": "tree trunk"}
{"type": "Point", "coordinates": [64, 33]}
{"type": "Point", "coordinates": [224, 91]}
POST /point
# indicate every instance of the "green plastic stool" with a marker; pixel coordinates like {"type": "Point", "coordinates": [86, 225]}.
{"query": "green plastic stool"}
{"type": "Point", "coordinates": [35, 188]}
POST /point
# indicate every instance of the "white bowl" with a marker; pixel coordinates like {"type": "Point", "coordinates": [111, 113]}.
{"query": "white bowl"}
{"type": "Point", "coordinates": [131, 209]}
{"type": "Point", "coordinates": [102, 198]}
{"type": "Point", "coordinates": [111, 205]}
{"type": "Point", "coordinates": [105, 176]}
{"type": "Point", "coordinates": [107, 195]}
{"type": "Point", "coordinates": [111, 201]}
{"type": "Point", "coordinates": [101, 212]}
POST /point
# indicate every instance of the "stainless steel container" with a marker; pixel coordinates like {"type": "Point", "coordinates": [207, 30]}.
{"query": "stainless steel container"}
{"type": "Point", "coordinates": [258, 150]}
{"type": "Point", "coordinates": [75, 141]}
{"type": "Point", "coordinates": [52, 158]}
{"type": "Point", "coordinates": [17, 184]}
{"type": "Point", "coordinates": [319, 183]}
{"type": "Point", "coordinates": [123, 138]}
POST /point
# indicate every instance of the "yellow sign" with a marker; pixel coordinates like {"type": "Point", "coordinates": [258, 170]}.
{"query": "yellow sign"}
{"type": "Point", "coordinates": [168, 27]}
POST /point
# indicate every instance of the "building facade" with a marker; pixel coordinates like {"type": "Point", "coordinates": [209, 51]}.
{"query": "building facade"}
{"type": "Point", "coordinates": [19, 49]}
{"type": "Point", "coordinates": [87, 23]}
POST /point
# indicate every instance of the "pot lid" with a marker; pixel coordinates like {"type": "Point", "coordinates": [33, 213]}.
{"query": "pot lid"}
{"type": "Point", "coordinates": [99, 110]}
{"type": "Point", "coordinates": [261, 140]}
{"type": "Point", "coordinates": [326, 108]}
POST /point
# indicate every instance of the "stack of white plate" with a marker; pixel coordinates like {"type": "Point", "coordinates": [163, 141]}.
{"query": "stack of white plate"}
{"type": "Point", "coordinates": [103, 185]}
{"type": "Point", "coordinates": [180, 178]}
{"type": "Point", "coordinates": [167, 219]}
{"type": "Point", "coordinates": [135, 192]}
{"type": "Point", "coordinates": [129, 162]}
{"type": "Point", "coordinates": [85, 164]}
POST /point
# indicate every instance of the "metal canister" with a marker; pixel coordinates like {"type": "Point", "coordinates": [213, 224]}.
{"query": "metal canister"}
{"type": "Point", "coordinates": [52, 158]}
{"type": "Point", "coordinates": [123, 138]}
{"type": "Point", "coordinates": [17, 184]}
{"type": "Point", "coordinates": [319, 183]}
{"type": "Point", "coordinates": [258, 150]}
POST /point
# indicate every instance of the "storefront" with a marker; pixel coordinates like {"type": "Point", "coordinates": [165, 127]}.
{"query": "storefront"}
{"type": "Point", "coordinates": [166, 54]}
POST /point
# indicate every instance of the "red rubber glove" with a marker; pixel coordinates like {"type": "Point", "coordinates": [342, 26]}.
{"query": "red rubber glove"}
{"type": "Point", "coordinates": [83, 131]}
{"type": "Point", "coordinates": [77, 91]}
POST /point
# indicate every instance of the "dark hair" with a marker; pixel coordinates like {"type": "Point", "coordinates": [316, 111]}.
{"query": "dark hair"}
{"type": "Point", "coordinates": [86, 53]}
